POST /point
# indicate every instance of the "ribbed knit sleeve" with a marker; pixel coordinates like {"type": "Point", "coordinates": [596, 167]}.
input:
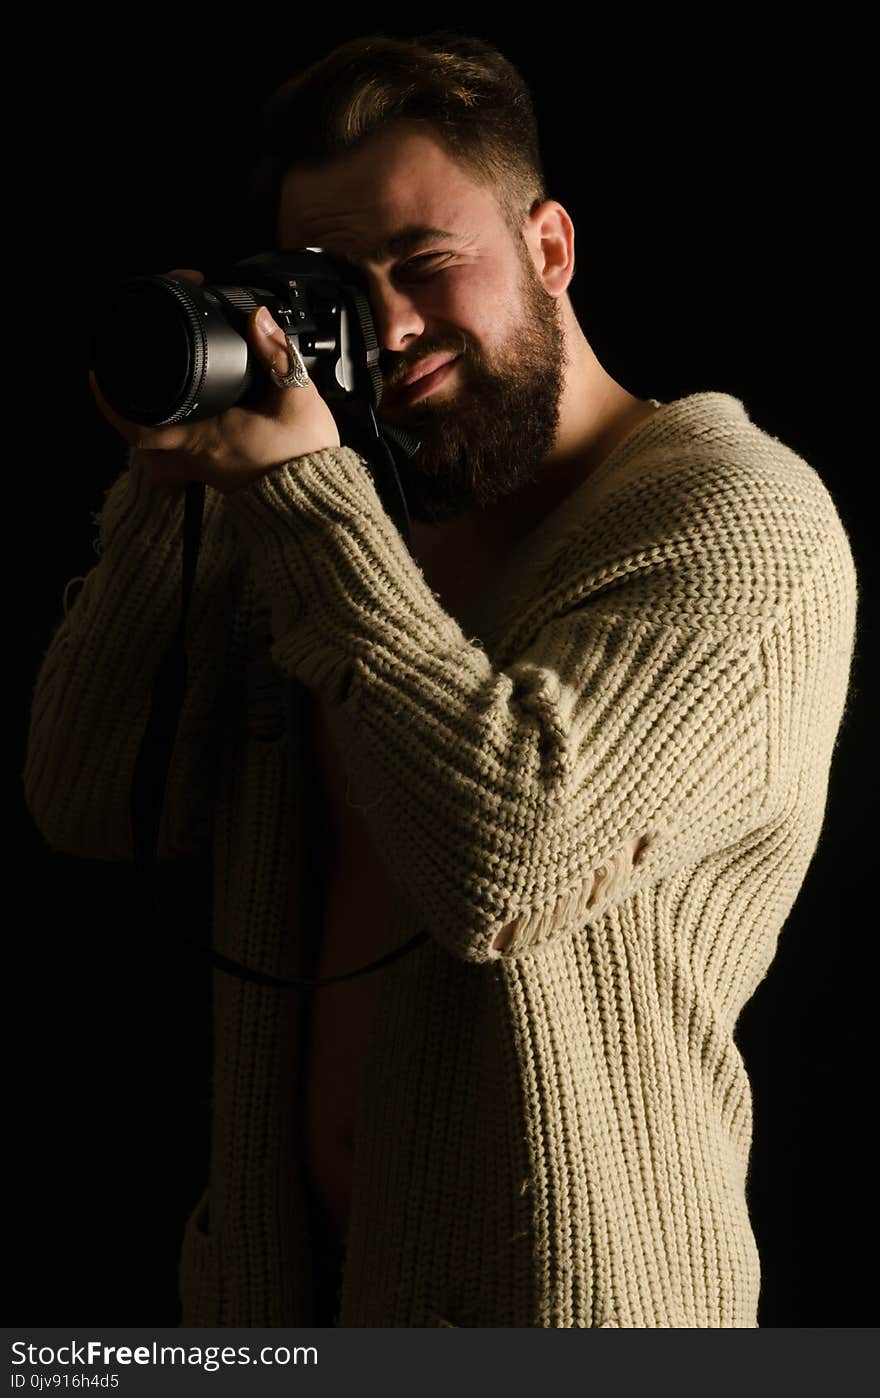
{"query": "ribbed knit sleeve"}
{"type": "Point", "coordinates": [647, 695]}
{"type": "Point", "coordinates": [91, 695]}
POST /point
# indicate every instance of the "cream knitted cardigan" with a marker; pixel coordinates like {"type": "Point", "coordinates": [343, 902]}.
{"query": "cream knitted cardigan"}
{"type": "Point", "coordinates": [556, 1134]}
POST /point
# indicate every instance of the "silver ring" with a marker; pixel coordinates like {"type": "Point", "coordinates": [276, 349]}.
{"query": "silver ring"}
{"type": "Point", "coordinates": [297, 375]}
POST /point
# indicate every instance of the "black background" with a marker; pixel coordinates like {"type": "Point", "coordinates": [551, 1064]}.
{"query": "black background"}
{"type": "Point", "coordinates": [716, 169]}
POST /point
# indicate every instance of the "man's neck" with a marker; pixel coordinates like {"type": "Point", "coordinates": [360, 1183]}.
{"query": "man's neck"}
{"type": "Point", "coordinates": [457, 555]}
{"type": "Point", "coordinates": [500, 526]}
{"type": "Point", "coordinates": [595, 414]}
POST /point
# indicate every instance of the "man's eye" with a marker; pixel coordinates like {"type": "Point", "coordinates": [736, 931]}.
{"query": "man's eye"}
{"type": "Point", "coordinates": [423, 263]}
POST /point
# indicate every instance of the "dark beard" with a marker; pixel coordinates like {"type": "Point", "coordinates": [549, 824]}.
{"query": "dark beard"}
{"type": "Point", "coordinates": [491, 438]}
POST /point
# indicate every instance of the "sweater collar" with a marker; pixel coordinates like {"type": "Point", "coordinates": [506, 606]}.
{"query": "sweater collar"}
{"type": "Point", "coordinates": [519, 573]}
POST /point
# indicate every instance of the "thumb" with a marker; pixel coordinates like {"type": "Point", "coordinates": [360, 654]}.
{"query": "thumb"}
{"type": "Point", "coordinates": [271, 341]}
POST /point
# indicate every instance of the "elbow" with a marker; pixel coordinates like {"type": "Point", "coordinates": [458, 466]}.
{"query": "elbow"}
{"type": "Point", "coordinates": [69, 831]}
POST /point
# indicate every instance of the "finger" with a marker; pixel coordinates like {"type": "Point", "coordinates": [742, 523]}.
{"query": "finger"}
{"type": "Point", "coordinates": [129, 430]}
{"type": "Point", "coordinates": [187, 274]}
{"type": "Point", "coordinates": [179, 438]}
{"type": "Point", "coordinates": [278, 353]}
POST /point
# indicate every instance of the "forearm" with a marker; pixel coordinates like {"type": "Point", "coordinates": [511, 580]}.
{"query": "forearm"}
{"type": "Point", "coordinates": [92, 692]}
{"type": "Point", "coordinates": [504, 795]}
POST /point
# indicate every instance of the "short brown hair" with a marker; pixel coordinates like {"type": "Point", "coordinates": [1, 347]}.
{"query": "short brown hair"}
{"type": "Point", "coordinates": [471, 97]}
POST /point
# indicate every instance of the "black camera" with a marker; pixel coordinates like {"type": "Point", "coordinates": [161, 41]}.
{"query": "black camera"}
{"type": "Point", "coordinates": [166, 351]}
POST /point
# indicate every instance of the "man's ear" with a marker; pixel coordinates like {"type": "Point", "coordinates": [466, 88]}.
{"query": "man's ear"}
{"type": "Point", "coordinates": [550, 238]}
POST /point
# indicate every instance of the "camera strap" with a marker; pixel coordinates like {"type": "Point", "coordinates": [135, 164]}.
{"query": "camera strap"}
{"type": "Point", "coordinates": [169, 689]}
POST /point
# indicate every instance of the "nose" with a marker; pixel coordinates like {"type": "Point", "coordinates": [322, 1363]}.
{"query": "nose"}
{"type": "Point", "coordinates": [396, 317]}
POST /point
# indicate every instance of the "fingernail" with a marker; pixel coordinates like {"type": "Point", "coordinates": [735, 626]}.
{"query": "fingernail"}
{"type": "Point", "coordinates": [265, 321]}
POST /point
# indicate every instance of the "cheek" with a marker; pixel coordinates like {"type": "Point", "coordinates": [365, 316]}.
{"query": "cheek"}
{"type": "Point", "coordinates": [471, 305]}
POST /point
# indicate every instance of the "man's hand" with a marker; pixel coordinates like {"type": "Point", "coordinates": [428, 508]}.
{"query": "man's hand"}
{"type": "Point", "coordinates": [242, 444]}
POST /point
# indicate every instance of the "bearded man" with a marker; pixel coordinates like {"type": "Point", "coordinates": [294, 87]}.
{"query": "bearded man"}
{"type": "Point", "coordinates": [578, 727]}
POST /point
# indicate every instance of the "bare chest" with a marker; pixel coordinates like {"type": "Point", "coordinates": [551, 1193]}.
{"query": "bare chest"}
{"type": "Point", "coordinates": [352, 929]}
{"type": "Point", "coordinates": [352, 920]}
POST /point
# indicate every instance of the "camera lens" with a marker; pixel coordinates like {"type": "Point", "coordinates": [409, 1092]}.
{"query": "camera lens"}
{"type": "Point", "coordinates": [145, 351]}
{"type": "Point", "coordinates": [165, 351]}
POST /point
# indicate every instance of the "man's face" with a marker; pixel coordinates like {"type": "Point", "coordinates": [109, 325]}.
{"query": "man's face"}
{"type": "Point", "coordinates": [476, 293]}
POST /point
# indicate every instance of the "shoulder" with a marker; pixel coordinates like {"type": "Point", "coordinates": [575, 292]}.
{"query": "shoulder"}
{"type": "Point", "coordinates": [715, 514]}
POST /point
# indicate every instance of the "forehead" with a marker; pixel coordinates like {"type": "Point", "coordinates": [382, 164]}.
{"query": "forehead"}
{"type": "Point", "coordinates": [401, 179]}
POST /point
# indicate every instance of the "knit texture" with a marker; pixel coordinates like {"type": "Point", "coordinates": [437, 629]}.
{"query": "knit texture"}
{"type": "Point", "coordinates": [556, 1133]}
